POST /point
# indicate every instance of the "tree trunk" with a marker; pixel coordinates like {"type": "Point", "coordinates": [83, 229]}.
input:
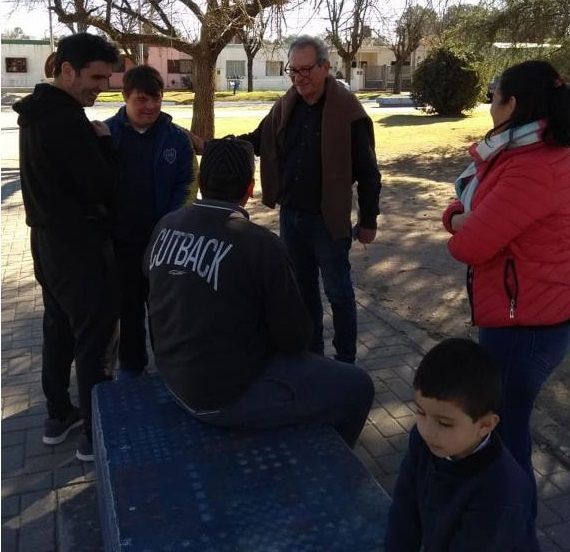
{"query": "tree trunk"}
{"type": "Point", "coordinates": [398, 77]}
{"type": "Point", "coordinates": [250, 73]}
{"type": "Point", "coordinates": [204, 88]}
{"type": "Point", "coordinates": [347, 62]}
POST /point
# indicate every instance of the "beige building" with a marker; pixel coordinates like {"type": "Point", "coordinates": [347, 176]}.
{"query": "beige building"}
{"type": "Point", "coordinates": [373, 67]}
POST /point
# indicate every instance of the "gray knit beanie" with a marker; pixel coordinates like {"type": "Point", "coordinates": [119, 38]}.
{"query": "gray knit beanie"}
{"type": "Point", "coordinates": [227, 168]}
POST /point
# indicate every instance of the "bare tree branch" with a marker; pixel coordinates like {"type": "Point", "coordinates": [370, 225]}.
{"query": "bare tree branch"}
{"type": "Point", "coordinates": [348, 28]}
{"type": "Point", "coordinates": [217, 23]}
{"type": "Point", "coordinates": [415, 23]}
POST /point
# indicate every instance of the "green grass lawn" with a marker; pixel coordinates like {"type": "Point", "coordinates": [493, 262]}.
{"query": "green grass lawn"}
{"type": "Point", "coordinates": [396, 134]}
{"type": "Point", "coordinates": [187, 97]}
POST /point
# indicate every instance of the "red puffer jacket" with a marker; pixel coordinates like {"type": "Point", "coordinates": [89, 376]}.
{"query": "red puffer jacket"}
{"type": "Point", "coordinates": [517, 239]}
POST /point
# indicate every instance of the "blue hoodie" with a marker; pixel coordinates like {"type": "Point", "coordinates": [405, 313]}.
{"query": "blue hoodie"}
{"type": "Point", "coordinates": [158, 173]}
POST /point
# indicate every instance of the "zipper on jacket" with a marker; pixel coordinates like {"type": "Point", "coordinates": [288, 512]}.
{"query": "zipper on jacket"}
{"type": "Point", "coordinates": [511, 286]}
{"type": "Point", "coordinates": [469, 285]}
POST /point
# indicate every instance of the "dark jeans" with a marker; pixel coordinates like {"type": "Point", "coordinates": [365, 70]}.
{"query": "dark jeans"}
{"type": "Point", "coordinates": [78, 275]}
{"type": "Point", "coordinates": [134, 294]}
{"type": "Point", "coordinates": [302, 388]}
{"type": "Point", "coordinates": [312, 249]}
{"type": "Point", "coordinates": [526, 357]}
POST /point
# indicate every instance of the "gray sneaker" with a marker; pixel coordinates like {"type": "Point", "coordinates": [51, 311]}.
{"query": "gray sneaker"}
{"type": "Point", "coordinates": [56, 430]}
{"type": "Point", "coordinates": [84, 450]}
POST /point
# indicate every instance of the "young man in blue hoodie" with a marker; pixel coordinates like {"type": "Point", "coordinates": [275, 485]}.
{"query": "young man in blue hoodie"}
{"type": "Point", "coordinates": [157, 175]}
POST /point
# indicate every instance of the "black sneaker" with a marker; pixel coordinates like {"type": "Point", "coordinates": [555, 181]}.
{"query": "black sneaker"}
{"type": "Point", "coordinates": [84, 450]}
{"type": "Point", "coordinates": [56, 430]}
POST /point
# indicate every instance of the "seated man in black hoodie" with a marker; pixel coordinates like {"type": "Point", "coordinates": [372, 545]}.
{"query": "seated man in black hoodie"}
{"type": "Point", "coordinates": [230, 327]}
{"type": "Point", "coordinates": [68, 183]}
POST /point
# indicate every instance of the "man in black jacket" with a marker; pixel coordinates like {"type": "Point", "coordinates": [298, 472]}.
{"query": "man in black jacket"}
{"type": "Point", "coordinates": [314, 145]}
{"type": "Point", "coordinates": [67, 176]}
{"type": "Point", "coordinates": [230, 327]}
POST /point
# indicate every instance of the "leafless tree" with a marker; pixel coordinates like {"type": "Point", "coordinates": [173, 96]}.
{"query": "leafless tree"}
{"type": "Point", "coordinates": [414, 23]}
{"type": "Point", "coordinates": [348, 28]}
{"type": "Point", "coordinates": [15, 33]}
{"type": "Point", "coordinates": [252, 37]}
{"type": "Point", "coordinates": [200, 30]}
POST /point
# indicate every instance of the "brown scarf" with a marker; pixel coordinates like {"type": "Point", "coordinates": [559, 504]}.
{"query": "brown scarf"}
{"type": "Point", "coordinates": [340, 110]}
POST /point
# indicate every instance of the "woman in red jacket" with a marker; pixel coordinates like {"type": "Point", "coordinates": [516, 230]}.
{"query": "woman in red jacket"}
{"type": "Point", "coordinates": [511, 226]}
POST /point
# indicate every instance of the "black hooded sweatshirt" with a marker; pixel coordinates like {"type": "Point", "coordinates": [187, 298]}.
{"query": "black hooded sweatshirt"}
{"type": "Point", "coordinates": [67, 172]}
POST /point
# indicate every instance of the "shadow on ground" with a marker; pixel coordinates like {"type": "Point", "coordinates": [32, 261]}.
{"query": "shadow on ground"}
{"type": "Point", "coordinates": [439, 165]}
{"type": "Point", "coordinates": [10, 183]}
{"type": "Point", "coordinates": [419, 119]}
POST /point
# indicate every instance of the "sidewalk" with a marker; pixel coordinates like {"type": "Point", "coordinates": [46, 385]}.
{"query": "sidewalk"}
{"type": "Point", "coordinates": [48, 497]}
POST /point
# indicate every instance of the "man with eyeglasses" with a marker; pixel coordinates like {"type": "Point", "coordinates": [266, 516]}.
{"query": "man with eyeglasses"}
{"type": "Point", "coordinates": [315, 143]}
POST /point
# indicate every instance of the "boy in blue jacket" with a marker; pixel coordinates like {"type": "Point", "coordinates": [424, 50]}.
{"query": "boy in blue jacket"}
{"type": "Point", "coordinates": [459, 489]}
{"type": "Point", "coordinates": [157, 175]}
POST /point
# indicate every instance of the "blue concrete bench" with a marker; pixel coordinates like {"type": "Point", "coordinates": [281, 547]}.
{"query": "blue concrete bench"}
{"type": "Point", "coordinates": [396, 101]}
{"type": "Point", "coordinates": [168, 482]}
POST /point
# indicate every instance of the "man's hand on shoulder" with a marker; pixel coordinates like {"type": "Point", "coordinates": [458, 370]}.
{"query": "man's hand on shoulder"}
{"type": "Point", "coordinates": [100, 128]}
{"type": "Point", "coordinates": [198, 142]}
{"type": "Point", "coordinates": [365, 235]}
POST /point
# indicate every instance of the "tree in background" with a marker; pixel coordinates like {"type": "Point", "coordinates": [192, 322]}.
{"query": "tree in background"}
{"type": "Point", "coordinates": [543, 22]}
{"type": "Point", "coordinates": [530, 20]}
{"type": "Point", "coordinates": [447, 82]}
{"type": "Point", "coordinates": [504, 32]}
{"type": "Point", "coordinates": [415, 23]}
{"type": "Point", "coordinates": [348, 28]}
{"type": "Point", "coordinates": [252, 37]}
{"type": "Point", "coordinates": [200, 30]}
{"type": "Point", "coordinates": [15, 34]}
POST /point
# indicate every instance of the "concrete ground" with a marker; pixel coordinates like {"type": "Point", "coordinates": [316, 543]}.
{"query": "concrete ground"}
{"type": "Point", "coordinates": [48, 497]}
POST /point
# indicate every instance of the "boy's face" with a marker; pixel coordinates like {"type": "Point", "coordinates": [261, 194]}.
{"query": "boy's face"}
{"type": "Point", "coordinates": [447, 430]}
{"type": "Point", "coordinates": [142, 109]}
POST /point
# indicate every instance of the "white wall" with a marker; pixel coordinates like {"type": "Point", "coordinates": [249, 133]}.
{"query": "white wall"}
{"type": "Point", "coordinates": [35, 52]}
{"type": "Point", "coordinates": [235, 52]}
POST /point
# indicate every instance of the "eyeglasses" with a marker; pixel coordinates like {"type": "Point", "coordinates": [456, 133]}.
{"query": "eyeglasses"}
{"type": "Point", "coordinates": [302, 71]}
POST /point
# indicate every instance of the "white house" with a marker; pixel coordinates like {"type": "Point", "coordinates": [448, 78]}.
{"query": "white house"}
{"type": "Point", "coordinates": [23, 66]}
{"type": "Point", "coordinates": [373, 67]}
{"type": "Point", "coordinates": [268, 68]}
{"type": "Point", "coordinates": [23, 62]}
{"type": "Point", "coordinates": [177, 68]}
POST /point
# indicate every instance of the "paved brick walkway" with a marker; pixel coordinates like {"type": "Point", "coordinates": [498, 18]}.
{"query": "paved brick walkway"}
{"type": "Point", "coordinates": [48, 497]}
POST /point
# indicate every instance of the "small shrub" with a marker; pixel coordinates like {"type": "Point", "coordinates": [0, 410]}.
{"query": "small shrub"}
{"type": "Point", "coordinates": [446, 82]}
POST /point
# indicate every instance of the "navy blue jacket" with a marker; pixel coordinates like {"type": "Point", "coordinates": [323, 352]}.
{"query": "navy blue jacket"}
{"type": "Point", "coordinates": [481, 503]}
{"type": "Point", "coordinates": [174, 162]}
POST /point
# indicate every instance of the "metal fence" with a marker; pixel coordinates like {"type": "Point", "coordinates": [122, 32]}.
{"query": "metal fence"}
{"type": "Point", "coordinates": [381, 77]}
